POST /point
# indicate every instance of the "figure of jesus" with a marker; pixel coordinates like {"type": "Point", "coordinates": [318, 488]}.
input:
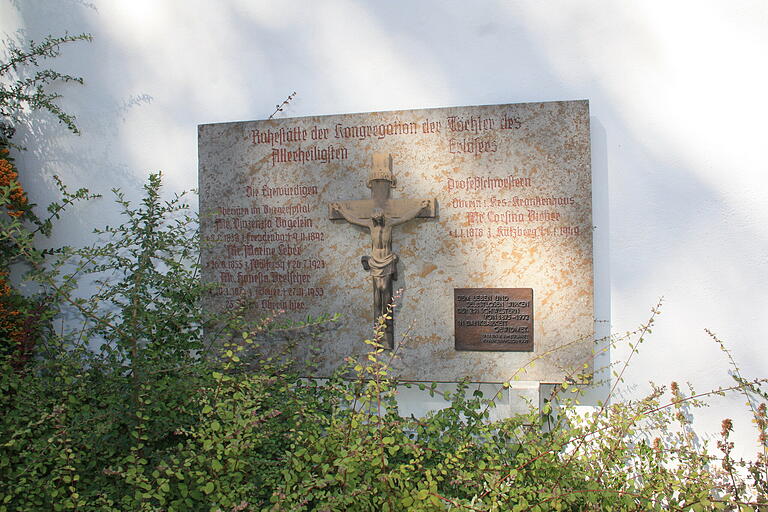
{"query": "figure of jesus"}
{"type": "Point", "coordinates": [382, 263]}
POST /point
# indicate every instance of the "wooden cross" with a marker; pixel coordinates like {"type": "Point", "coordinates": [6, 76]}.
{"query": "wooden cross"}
{"type": "Point", "coordinates": [380, 214]}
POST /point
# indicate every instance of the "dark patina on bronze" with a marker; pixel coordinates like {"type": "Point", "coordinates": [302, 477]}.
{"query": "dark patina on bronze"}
{"type": "Point", "coordinates": [493, 319]}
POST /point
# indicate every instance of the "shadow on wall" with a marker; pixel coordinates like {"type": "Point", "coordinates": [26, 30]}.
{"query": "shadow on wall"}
{"type": "Point", "coordinates": [601, 263]}
{"type": "Point", "coordinates": [91, 160]}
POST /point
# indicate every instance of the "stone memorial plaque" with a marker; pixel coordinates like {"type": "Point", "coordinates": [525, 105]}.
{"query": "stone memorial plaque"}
{"type": "Point", "coordinates": [327, 214]}
{"type": "Point", "coordinates": [493, 319]}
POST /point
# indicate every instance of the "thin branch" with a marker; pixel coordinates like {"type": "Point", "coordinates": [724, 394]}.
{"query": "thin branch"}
{"type": "Point", "coordinates": [279, 108]}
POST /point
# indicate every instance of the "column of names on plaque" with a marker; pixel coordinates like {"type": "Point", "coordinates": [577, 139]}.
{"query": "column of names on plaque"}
{"type": "Point", "coordinates": [269, 249]}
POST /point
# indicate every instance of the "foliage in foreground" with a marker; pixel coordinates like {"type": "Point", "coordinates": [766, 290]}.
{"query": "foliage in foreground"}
{"type": "Point", "coordinates": [213, 437]}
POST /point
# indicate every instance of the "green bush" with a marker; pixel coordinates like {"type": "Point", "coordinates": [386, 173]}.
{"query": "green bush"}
{"type": "Point", "coordinates": [270, 440]}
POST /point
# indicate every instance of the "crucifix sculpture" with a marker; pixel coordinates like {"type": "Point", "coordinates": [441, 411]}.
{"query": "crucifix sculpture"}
{"type": "Point", "coordinates": [380, 214]}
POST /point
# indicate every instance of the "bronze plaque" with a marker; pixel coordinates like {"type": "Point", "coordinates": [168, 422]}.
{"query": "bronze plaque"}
{"type": "Point", "coordinates": [493, 319]}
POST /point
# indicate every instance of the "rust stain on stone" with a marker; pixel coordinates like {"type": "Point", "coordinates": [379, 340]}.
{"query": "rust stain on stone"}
{"type": "Point", "coordinates": [427, 269]}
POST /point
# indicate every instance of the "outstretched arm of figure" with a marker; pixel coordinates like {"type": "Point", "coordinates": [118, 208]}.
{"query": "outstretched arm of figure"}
{"type": "Point", "coordinates": [410, 212]}
{"type": "Point", "coordinates": [346, 212]}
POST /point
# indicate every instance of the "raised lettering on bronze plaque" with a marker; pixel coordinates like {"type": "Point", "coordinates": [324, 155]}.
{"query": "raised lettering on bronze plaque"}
{"type": "Point", "coordinates": [493, 319]}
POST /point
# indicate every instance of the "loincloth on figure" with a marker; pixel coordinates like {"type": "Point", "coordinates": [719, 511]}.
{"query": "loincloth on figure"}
{"type": "Point", "coordinates": [381, 267]}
